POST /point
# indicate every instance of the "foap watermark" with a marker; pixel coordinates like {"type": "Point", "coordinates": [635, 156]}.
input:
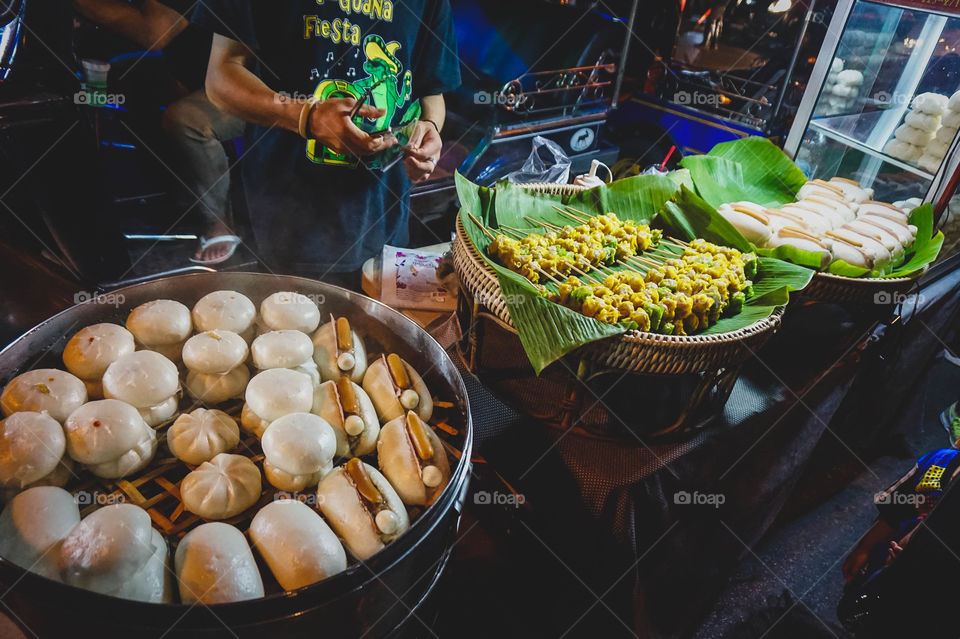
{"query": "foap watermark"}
{"type": "Point", "coordinates": [497, 498]}
{"type": "Point", "coordinates": [492, 299]}
{"type": "Point", "coordinates": [97, 498]}
{"type": "Point", "coordinates": [510, 100]}
{"type": "Point", "coordinates": [99, 98]}
{"type": "Point", "coordinates": [887, 298]}
{"type": "Point", "coordinates": [899, 499]}
{"type": "Point", "coordinates": [294, 97]}
{"type": "Point", "coordinates": [311, 499]}
{"type": "Point", "coordinates": [696, 498]}
{"type": "Point", "coordinates": [892, 99]}
{"type": "Point", "coordinates": [698, 98]}
{"type": "Point", "coordinates": [299, 298]}
{"type": "Point", "coordinates": [108, 299]}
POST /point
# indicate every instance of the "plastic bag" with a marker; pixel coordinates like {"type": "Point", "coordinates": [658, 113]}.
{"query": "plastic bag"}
{"type": "Point", "coordinates": [555, 170]}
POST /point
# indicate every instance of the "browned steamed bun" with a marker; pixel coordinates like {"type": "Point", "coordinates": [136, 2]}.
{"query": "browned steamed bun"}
{"type": "Point", "coordinates": [346, 407]}
{"type": "Point", "coordinates": [362, 507]}
{"type": "Point", "coordinates": [395, 387]}
{"type": "Point", "coordinates": [339, 350]}
{"type": "Point", "coordinates": [412, 457]}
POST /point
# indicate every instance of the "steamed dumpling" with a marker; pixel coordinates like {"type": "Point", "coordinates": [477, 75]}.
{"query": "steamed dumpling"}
{"type": "Point", "coordinates": [214, 565]}
{"type": "Point", "coordinates": [298, 451]}
{"type": "Point", "coordinates": [298, 546]}
{"type": "Point", "coordinates": [221, 488]}
{"type": "Point", "coordinates": [142, 379]}
{"type": "Point", "coordinates": [214, 352]}
{"type": "Point", "coordinates": [289, 310]}
{"type": "Point", "coordinates": [156, 415]}
{"type": "Point", "coordinates": [413, 459]}
{"type": "Point", "coordinates": [202, 435]}
{"type": "Point", "coordinates": [160, 323]}
{"type": "Point", "coordinates": [276, 392]}
{"type": "Point", "coordinates": [281, 349]}
{"type": "Point", "coordinates": [92, 349]}
{"type": "Point", "coordinates": [226, 311]}
{"type": "Point", "coordinates": [34, 524]}
{"type": "Point", "coordinates": [32, 446]}
{"type": "Point", "coordinates": [49, 390]}
{"type": "Point", "coordinates": [215, 389]}
{"type": "Point", "coordinates": [395, 387]}
{"type": "Point", "coordinates": [351, 414]}
{"type": "Point", "coordinates": [113, 551]}
{"type": "Point", "coordinates": [110, 438]}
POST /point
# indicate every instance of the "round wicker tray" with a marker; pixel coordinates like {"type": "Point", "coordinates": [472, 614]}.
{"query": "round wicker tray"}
{"type": "Point", "coordinates": [826, 287]}
{"type": "Point", "coordinates": [634, 351]}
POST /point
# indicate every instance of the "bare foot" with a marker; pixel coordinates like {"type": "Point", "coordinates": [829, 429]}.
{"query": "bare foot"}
{"type": "Point", "coordinates": [217, 250]}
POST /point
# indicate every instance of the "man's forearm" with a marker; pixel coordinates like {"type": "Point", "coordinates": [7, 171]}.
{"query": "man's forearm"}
{"type": "Point", "coordinates": [232, 87]}
{"type": "Point", "coordinates": [433, 108]}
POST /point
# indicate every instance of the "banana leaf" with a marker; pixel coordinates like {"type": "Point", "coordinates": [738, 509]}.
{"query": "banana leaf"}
{"type": "Point", "coordinates": [547, 330]}
{"type": "Point", "coordinates": [927, 246]}
{"type": "Point", "coordinates": [637, 198]}
{"type": "Point", "coordinates": [752, 169]}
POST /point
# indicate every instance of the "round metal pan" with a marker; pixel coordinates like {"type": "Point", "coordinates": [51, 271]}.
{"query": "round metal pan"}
{"type": "Point", "coordinates": [371, 599]}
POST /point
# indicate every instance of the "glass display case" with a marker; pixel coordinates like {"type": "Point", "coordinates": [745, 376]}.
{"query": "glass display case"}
{"type": "Point", "coordinates": [882, 106]}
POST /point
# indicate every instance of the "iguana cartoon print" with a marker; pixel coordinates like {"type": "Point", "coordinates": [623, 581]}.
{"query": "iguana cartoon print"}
{"type": "Point", "coordinates": [389, 90]}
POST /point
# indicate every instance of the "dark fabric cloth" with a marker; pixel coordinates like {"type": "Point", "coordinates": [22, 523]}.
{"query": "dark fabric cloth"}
{"type": "Point", "coordinates": [186, 56]}
{"type": "Point", "coordinates": [311, 208]}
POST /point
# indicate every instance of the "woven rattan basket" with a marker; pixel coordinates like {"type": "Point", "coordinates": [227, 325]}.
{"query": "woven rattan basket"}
{"type": "Point", "coordinates": [683, 382]}
{"type": "Point", "coordinates": [634, 351]}
{"type": "Point", "coordinates": [826, 287]}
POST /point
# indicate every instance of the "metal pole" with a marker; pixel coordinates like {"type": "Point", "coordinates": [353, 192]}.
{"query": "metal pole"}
{"type": "Point", "coordinates": [623, 54]}
{"type": "Point", "coordinates": [793, 63]}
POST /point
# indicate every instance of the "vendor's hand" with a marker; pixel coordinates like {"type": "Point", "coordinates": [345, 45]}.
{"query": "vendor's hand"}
{"type": "Point", "coordinates": [854, 562]}
{"type": "Point", "coordinates": [893, 552]}
{"type": "Point", "coordinates": [330, 124]}
{"type": "Point", "coordinates": [422, 152]}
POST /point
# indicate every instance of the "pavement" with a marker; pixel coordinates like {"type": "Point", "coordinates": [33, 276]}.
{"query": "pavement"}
{"type": "Point", "coordinates": [790, 584]}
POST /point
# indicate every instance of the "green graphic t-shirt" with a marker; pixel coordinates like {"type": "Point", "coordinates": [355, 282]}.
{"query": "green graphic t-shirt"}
{"type": "Point", "coordinates": [311, 207]}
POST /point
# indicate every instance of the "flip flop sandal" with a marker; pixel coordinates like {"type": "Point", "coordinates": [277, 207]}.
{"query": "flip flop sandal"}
{"type": "Point", "coordinates": [234, 241]}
